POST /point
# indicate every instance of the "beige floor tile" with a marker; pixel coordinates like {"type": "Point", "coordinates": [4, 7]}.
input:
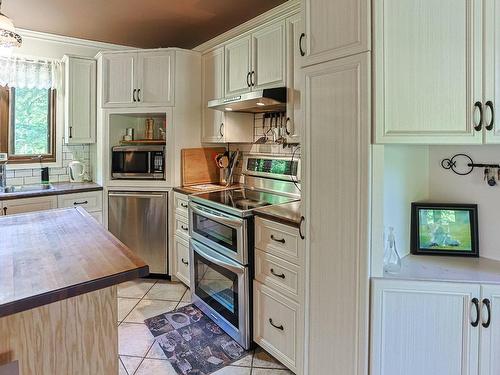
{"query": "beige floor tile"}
{"type": "Point", "coordinates": [187, 296]}
{"type": "Point", "coordinates": [135, 289]}
{"type": "Point", "coordinates": [121, 369]}
{"type": "Point", "coordinates": [156, 352]}
{"type": "Point", "coordinates": [263, 359]}
{"type": "Point", "coordinates": [155, 367]}
{"type": "Point", "coordinates": [131, 363]}
{"type": "Point", "coordinates": [270, 371]}
{"type": "Point", "coordinates": [149, 308]}
{"type": "Point", "coordinates": [233, 370]}
{"type": "Point", "coordinates": [245, 361]}
{"type": "Point", "coordinates": [182, 304]}
{"type": "Point", "coordinates": [125, 305]}
{"type": "Point", "coordinates": [134, 339]}
{"type": "Point", "coordinates": [166, 290]}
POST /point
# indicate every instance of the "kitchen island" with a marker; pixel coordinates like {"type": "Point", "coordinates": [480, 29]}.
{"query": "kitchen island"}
{"type": "Point", "coordinates": [58, 305]}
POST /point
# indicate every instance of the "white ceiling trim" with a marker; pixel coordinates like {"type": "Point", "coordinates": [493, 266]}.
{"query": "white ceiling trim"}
{"type": "Point", "coordinates": [270, 15]}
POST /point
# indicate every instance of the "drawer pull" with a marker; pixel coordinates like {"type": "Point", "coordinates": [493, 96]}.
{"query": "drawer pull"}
{"type": "Point", "coordinates": [280, 241]}
{"type": "Point", "coordinates": [80, 203]}
{"type": "Point", "coordinates": [277, 275]}
{"type": "Point", "coordinates": [184, 205]}
{"type": "Point", "coordinates": [184, 261]}
{"type": "Point", "coordinates": [281, 328]}
{"type": "Point", "coordinates": [475, 302]}
{"type": "Point", "coordinates": [184, 228]}
{"type": "Point", "coordinates": [487, 303]}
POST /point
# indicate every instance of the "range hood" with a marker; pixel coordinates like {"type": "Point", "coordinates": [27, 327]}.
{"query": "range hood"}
{"type": "Point", "coordinates": [266, 100]}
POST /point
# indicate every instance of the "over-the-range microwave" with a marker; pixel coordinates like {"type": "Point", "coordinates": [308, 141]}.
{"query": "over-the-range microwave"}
{"type": "Point", "coordinates": [143, 162]}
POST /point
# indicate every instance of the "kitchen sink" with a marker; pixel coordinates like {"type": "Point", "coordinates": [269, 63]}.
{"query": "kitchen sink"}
{"type": "Point", "coordinates": [27, 188]}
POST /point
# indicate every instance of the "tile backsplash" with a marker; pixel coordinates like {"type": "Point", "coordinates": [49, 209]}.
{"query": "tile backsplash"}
{"type": "Point", "coordinates": [59, 174]}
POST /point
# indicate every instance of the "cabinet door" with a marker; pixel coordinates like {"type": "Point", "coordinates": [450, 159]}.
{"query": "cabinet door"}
{"type": "Point", "coordinates": [335, 28]}
{"type": "Point", "coordinates": [490, 335]}
{"type": "Point", "coordinates": [154, 79]}
{"type": "Point", "coordinates": [295, 82]}
{"type": "Point", "coordinates": [336, 194]}
{"type": "Point", "coordinates": [80, 100]}
{"type": "Point", "coordinates": [423, 328]}
{"type": "Point", "coordinates": [119, 83]}
{"type": "Point", "coordinates": [428, 71]}
{"type": "Point", "coordinates": [213, 88]}
{"type": "Point", "coordinates": [237, 67]}
{"type": "Point", "coordinates": [181, 259]}
{"type": "Point", "coordinates": [268, 57]}
{"type": "Point", "coordinates": [492, 70]}
{"type": "Point", "coordinates": [19, 206]}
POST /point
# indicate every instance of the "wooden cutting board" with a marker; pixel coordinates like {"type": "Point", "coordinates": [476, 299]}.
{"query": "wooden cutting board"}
{"type": "Point", "coordinates": [198, 166]}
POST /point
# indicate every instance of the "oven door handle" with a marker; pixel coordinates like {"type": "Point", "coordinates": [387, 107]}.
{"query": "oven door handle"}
{"type": "Point", "coordinates": [217, 259]}
{"type": "Point", "coordinates": [234, 223]}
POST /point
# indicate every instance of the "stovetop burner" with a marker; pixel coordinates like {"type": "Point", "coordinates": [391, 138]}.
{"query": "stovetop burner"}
{"type": "Point", "coordinates": [240, 201]}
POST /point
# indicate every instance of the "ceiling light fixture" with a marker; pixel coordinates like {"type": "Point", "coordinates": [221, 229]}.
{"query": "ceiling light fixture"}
{"type": "Point", "coordinates": [8, 36]}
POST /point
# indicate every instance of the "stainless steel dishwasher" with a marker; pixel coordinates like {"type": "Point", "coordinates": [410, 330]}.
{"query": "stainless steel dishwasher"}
{"type": "Point", "coordinates": [139, 220]}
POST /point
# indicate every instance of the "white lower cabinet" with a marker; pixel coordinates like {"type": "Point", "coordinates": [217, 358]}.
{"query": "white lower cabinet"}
{"type": "Point", "coordinates": [180, 252]}
{"type": "Point", "coordinates": [434, 328]}
{"type": "Point", "coordinates": [24, 205]}
{"type": "Point", "coordinates": [90, 201]}
{"type": "Point", "coordinates": [181, 256]}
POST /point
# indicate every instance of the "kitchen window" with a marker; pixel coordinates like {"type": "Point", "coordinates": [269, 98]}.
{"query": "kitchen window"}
{"type": "Point", "coordinates": [27, 111]}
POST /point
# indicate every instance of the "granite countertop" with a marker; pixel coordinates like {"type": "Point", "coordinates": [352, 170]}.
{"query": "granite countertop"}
{"type": "Point", "coordinates": [188, 190]}
{"type": "Point", "coordinates": [49, 256]}
{"type": "Point", "coordinates": [288, 213]}
{"type": "Point", "coordinates": [448, 269]}
{"type": "Point", "coordinates": [60, 188]}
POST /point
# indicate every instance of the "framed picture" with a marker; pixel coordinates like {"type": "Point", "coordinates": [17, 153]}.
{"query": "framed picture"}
{"type": "Point", "coordinates": [444, 229]}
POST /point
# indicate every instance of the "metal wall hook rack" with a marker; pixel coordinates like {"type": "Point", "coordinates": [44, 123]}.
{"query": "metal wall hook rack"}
{"type": "Point", "coordinates": [463, 164]}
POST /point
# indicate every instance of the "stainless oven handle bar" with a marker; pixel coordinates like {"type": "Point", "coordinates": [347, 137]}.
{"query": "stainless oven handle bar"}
{"type": "Point", "coordinates": [135, 195]}
{"type": "Point", "coordinates": [223, 219]}
{"type": "Point", "coordinates": [217, 259]}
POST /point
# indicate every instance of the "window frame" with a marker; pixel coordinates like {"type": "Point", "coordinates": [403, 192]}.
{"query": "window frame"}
{"type": "Point", "coordinates": [6, 124]}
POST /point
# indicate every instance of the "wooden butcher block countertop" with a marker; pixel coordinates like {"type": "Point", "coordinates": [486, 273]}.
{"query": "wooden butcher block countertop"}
{"type": "Point", "coordinates": [49, 256]}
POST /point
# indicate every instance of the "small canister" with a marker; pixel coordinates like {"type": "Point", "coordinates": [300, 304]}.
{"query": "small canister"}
{"type": "Point", "coordinates": [149, 132]}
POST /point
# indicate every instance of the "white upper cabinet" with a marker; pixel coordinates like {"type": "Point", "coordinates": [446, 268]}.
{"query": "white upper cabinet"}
{"type": "Point", "coordinates": [256, 61]}
{"type": "Point", "coordinates": [212, 64]}
{"type": "Point", "coordinates": [424, 328]}
{"type": "Point", "coordinates": [428, 58]}
{"type": "Point", "coordinates": [119, 79]}
{"type": "Point", "coordinates": [268, 57]}
{"type": "Point", "coordinates": [132, 79]}
{"type": "Point", "coordinates": [295, 80]}
{"type": "Point", "coordinates": [492, 70]}
{"type": "Point", "coordinates": [80, 100]}
{"type": "Point", "coordinates": [154, 79]}
{"type": "Point", "coordinates": [238, 67]}
{"type": "Point", "coordinates": [335, 28]}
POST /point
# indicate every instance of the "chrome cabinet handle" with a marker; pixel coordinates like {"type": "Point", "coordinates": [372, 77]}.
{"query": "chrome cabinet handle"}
{"type": "Point", "coordinates": [184, 228]}
{"type": "Point", "coordinates": [184, 205]}
{"type": "Point", "coordinates": [184, 261]}
{"type": "Point", "coordinates": [133, 95]}
{"type": "Point", "coordinates": [80, 203]}
{"type": "Point", "coordinates": [221, 130]}
{"type": "Point", "coordinates": [302, 219]}
{"type": "Point", "coordinates": [479, 106]}
{"type": "Point", "coordinates": [248, 79]}
{"type": "Point", "coordinates": [281, 328]}
{"type": "Point", "coordinates": [282, 276]}
{"type": "Point", "coordinates": [138, 95]}
{"type": "Point", "coordinates": [280, 241]}
{"type": "Point", "coordinates": [487, 303]}
{"type": "Point", "coordinates": [475, 302]}
{"type": "Point", "coordinates": [489, 104]}
{"type": "Point", "coordinates": [302, 52]}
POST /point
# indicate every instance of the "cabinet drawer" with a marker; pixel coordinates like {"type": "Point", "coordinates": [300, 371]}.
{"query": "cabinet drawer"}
{"type": "Point", "coordinates": [276, 325]}
{"type": "Point", "coordinates": [91, 201]}
{"type": "Point", "coordinates": [181, 252]}
{"type": "Point", "coordinates": [278, 239]}
{"type": "Point", "coordinates": [181, 204]}
{"type": "Point", "coordinates": [182, 227]}
{"type": "Point", "coordinates": [23, 205]}
{"type": "Point", "coordinates": [281, 275]}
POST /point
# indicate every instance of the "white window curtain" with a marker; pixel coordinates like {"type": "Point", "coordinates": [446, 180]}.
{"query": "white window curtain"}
{"type": "Point", "coordinates": [30, 73]}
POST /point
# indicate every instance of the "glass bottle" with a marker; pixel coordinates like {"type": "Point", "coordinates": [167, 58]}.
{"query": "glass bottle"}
{"type": "Point", "coordinates": [392, 260]}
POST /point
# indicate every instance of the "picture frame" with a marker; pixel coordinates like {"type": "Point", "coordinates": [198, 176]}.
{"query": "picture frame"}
{"type": "Point", "coordinates": [444, 229]}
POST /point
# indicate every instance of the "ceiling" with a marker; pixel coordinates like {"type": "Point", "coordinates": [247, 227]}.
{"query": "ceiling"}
{"type": "Point", "coordinates": [139, 23]}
